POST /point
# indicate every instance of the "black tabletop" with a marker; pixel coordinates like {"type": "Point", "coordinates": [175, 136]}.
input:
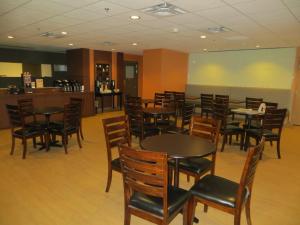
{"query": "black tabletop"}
{"type": "Point", "coordinates": [48, 110]}
{"type": "Point", "coordinates": [179, 145]}
{"type": "Point", "coordinates": [159, 111]}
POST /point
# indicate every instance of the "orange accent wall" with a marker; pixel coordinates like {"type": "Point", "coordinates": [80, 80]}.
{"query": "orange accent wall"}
{"type": "Point", "coordinates": [164, 70]}
{"type": "Point", "coordinates": [295, 90]}
{"type": "Point", "coordinates": [139, 60]}
{"type": "Point", "coordinates": [114, 67]}
{"type": "Point", "coordinates": [92, 70]}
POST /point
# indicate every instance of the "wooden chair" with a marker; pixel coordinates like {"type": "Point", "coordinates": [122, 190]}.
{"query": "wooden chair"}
{"type": "Point", "coordinates": [70, 125]}
{"type": "Point", "coordinates": [198, 166]}
{"type": "Point", "coordinates": [222, 98]}
{"type": "Point", "coordinates": [220, 112]}
{"type": "Point", "coordinates": [81, 103]}
{"type": "Point", "coordinates": [146, 191]}
{"type": "Point", "coordinates": [131, 100]}
{"type": "Point", "coordinates": [159, 99]}
{"type": "Point", "coordinates": [139, 127]}
{"type": "Point", "coordinates": [271, 128]}
{"type": "Point", "coordinates": [227, 195]}
{"type": "Point", "coordinates": [253, 103]}
{"type": "Point", "coordinates": [206, 104]}
{"type": "Point", "coordinates": [187, 113]}
{"type": "Point", "coordinates": [19, 130]}
{"type": "Point", "coordinates": [116, 132]}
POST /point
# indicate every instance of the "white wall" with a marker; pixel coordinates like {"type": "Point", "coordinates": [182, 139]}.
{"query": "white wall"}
{"type": "Point", "coordinates": [262, 68]}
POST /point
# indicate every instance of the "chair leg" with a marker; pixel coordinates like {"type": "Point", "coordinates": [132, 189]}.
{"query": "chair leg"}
{"type": "Point", "coordinates": [242, 143]}
{"type": "Point", "coordinates": [78, 139]}
{"type": "Point", "coordinates": [278, 149]}
{"type": "Point", "coordinates": [247, 209]}
{"type": "Point", "coordinates": [65, 142]}
{"type": "Point", "coordinates": [109, 177]}
{"type": "Point", "coordinates": [13, 142]}
{"type": "Point", "coordinates": [81, 134]}
{"type": "Point", "coordinates": [191, 210]}
{"type": "Point", "coordinates": [237, 218]}
{"type": "Point", "coordinates": [224, 141]}
{"type": "Point", "coordinates": [127, 217]}
{"type": "Point", "coordinates": [24, 148]}
{"type": "Point", "coordinates": [185, 214]}
{"type": "Point", "coordinates": [170, 175]}
{"type": "Point", "coordinates": [34, 142]}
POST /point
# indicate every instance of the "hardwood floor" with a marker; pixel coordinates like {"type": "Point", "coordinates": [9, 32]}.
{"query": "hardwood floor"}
{"type": "Point", "coordinates": [51, 188]}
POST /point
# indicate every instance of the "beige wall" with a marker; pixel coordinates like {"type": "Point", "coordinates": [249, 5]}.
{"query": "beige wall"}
{"type": "Point", "coordinates": [262, 68]}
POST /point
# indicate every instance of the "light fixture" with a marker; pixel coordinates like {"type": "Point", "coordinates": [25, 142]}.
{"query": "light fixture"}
{"type": "Point", "coordinates": [203, 36]}
{"type": "Point", "coordinates": [257, 46]}
{"type": "Point", "coordinates": [113, 49]}
{"type": "Point", "coordinates": [205, 49]}
{"type": "Point", "coordinates": [10, 37]}
{"type": "Point", "coordinates": [135, 17]}
{"type": "Point", "coordinates": [134, 43]}
{"type": "Point", "coordinates": [71, 44]}
{"type": "Point", "coordinates": [64, 33]}
{"type": "Point", "coordinates": [175, 30]}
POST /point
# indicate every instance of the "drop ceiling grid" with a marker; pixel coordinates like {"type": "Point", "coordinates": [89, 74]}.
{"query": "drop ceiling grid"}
{"type": "Point", "coordinates": [85, 20]}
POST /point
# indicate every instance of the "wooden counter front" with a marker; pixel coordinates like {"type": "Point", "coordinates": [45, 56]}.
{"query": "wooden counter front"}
{"type": "Point", "coordinates": [46, 98]}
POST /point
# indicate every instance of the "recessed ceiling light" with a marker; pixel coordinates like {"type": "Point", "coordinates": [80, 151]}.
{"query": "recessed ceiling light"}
{"type": "Point", "coordinates": [134, 43]}
{"type": "Point", "coordinates": [71, 44]}
{"type": "Point", "coordinates": [257, 46]}
{"type": "Point", "coordinates": [113, 49]}
{"type": "Point", "coordinates": [64, 33]}
{"type": "Point", "coordinates": [175, 30]}
{"type": "Point", "coordinates": [10, 37]}
{"type": "Point", "coordinates": [203, 36]}
{"type": "Point", "coordinates": [135, 17]}
{"type": "Point", "coordinates": [205, 49]}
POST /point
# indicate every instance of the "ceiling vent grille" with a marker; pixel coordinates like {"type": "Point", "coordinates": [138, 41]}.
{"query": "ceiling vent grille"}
{"type": "Point", "coordinates": [52, 35]}
{"type": "Point", "coordinates": [164, 9]}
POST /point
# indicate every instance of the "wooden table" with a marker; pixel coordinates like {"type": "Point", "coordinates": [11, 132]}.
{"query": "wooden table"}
{"type": "Point", "coordinates": [112, 95]}
{"type": "Point", "coordinates": [179, 146]}
{"type": "Point", "coordinates": [249, 113]}
{"type": "Point", "coordinates": [156, 112]}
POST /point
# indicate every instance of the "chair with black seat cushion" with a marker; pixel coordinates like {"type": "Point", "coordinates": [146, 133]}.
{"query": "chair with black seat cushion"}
{"type": "Point", "coordinates": [159, 99]}
{"type": "Point", "coordinates": [146, 190]}
{"type": "Point", "coordinates": [206, 104]}
{"type": "Point", "coordinates": [139, 127]}
{"type": "Point", "coordinates": [70, 125]}
{"type": "Point", "coordinates": [273, 105]}
{"type": "Point", "coordinates": [197, 166]}
{"type": "Point", "coordinates": [227, 195]}
{"type": "Point", "coordinates": [132, 100]}
{"type": "Point", "coordinates": [253, 103]}
{"type": "Point", "coordinates": [19, 130]}
{"type": "Point", "coordinates": [80, 102]}
{"type": "Point", "coordinates": [271, 128]}
{"type": "Point", "coordinates": [220, 112]}
{"type": "Point", "coordinates": [187, 113]}
{"type": "Point", "coordinates": [116, 132]}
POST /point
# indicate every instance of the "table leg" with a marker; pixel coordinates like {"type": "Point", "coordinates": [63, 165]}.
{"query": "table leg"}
{"type": "Point", "coordinates": [120, 100]}
{"type": "Point", "coordinates": [102, 103]}
{"type": "Point", "coordinates": [113, 101]}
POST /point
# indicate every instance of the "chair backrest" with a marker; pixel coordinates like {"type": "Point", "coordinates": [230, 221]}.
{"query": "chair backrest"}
{"type": "Point", "coordinates": [273, 119]}
{"type": "Point", "coordinates": [253, 103]}
{"type": "Point", "coordinates": [132, 100]}
{"type": "Point", "coordinates": [15, 116]}
{"type": "Point", "coordinates": [273, 105]}
{"type": "Point", "coordinates": [158, 99]}
{"type": "Point", "coordinates": [187, 113]}
{"type": "Point", "coordinates": [26, 107]}
{"type": "Point", "coordinates": [77, 101]}
{"type": "Point", "coordinates": [72, 116]}
{"type": "Point", "coordinates": [206, 100]}
{"type": "Point", "coordinates": [206, 128]}
{"type": "Point", "coordinates": [116, 132]}
{"type": "Point", "coordinates": [220, 112]}
{"type": "Point", "coordinates": [145, 172]}
{"type": "Point", "coordinates": [222, 98]}
{"type": "Point", "coordinates": [136, 120]}
{"type": "Point", "coordinates": [249, 170]}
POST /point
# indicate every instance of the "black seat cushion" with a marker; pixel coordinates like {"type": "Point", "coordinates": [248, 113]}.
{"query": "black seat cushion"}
{"type": "Point", "coordinates": [37, 124]}
{"type": "Point", "coordinates": [115, 163]}
{"type": "Point", "coordinates": [258, 132]}
{"type": "Point", "coordinates": [28, 132]}
{"type": "Point", "coordinates": [176, 198]}
{"type": "Point", "coordinates": [217, 189]}
{"type": "Point", "coordinates": [196, 165]}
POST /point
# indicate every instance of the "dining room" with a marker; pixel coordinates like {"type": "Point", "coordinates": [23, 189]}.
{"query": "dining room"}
{"type": "Point", "coordinates": [149, 112]}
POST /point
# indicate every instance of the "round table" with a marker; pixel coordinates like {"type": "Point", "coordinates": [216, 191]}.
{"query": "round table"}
{"type": "Point", "coordinates": [157, 112]}
{"type": "Point", "coordinates": [179, 146]}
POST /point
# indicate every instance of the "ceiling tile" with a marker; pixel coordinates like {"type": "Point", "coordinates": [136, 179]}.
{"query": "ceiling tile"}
{"type": "Point", "coordinates": [192, 5]}
{"type": "Point", "coordinates": [100, 7]}
{"type": "Point", "coordinates": [136, 4]}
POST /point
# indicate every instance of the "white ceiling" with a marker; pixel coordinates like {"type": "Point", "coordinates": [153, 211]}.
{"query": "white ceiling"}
{"type": "Point", "coordinates": [268, 23]}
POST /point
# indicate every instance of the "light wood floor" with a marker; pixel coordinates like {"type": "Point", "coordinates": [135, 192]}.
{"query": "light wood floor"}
{"type": "Point", "coordinates": [51, 188]}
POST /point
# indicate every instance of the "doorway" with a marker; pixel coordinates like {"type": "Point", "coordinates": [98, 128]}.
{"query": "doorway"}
{"type": "Point", "coordinates": [131, 78]}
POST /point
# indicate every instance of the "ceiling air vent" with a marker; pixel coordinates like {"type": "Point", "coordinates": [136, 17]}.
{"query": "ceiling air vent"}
{"type": "Point", "coordinates": [164, 9]}
{"type": "Point", "coordinates": [52, 35]}
{"type": "Point", "coordinates": [216, 30]}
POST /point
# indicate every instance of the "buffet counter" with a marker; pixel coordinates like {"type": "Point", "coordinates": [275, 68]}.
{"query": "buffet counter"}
{"type": "Point", "coordinates": [45, 97]}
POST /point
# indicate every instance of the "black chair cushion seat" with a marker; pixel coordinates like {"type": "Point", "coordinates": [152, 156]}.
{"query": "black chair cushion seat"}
{"type": "Point", "coordinates": [232, 129]}
{"type": "Point", "coordinates": [60, 129]}
{"type": "Point", "coordinates": [28, 132]}
{"type": "Point", "coordinates": [195, 165]}
{"type": "Point", "coordinates": [37, 124]}
{"type": "Point", "coordinates": [115, 163]}
{"type": "Point", "coordinates": [265, 133]}
{"type": "Point", "coordinates": [217, 189]}
{"type": "Point", "coordinates": [176, 198]}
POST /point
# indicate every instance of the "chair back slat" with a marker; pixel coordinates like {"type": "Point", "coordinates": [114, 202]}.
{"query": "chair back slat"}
{"type": "Point", "coordinates": [274, 118]}
{"type": "Point", "coordinates": [224, 99]}
{"type": "Point", "coordinates": [206, 100]}
{"type": "Point", "coordinates": [249, 171]}
{"type": "Point", "coordinates": [158, 99]}
{"type": "Point", "coordinates": [187, 113]}
{"type": "Point", "coordinates": [144, 171]}
{"type": "Point", "coordinates": [72, 115]}
{"type": "Point", "coordinates": [132, 101]}
{"type": "Point", "coordinates": [273, 105]}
